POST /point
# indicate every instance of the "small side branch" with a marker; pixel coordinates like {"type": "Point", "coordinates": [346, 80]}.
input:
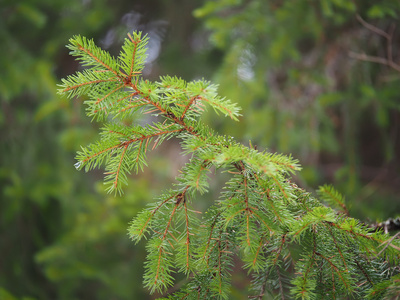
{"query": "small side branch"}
{"type": "Point", "coordinates": [192, 100]}
{"type": "Point", "coordinates": [387, 226]}
{"type": "Point", "coordinates": [389, 47]}
{"type": "Point", "coordinates": [118, 172]}
{"type": "Point", "coordinates": [375, 59]}
{"type": "Point", "coordinates": [389, 243]}
{"type": "Point", "coordinates": [373, 28]}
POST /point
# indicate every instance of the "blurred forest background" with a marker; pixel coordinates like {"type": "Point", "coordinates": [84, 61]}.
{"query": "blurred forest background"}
{"type": "Point", "coordinates": [316, 78]}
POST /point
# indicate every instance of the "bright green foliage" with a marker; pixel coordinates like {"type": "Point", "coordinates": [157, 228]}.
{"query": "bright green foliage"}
{"type": "Point", "coordinates": [289, 242]}
{"type": "Point", "coordinates": [56, 235]}
{"type": "Point", "coordinates": [116, 91]}
{"type": "Point", "coordinates": [332, 197]}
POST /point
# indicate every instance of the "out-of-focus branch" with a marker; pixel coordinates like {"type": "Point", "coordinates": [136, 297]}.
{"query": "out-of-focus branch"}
{"type": "Point", "coordinates": [389, 38]}
{"type": "Point", "coordinates": [375, 59]}
{"type": "Point", "coordinates": [389, 243]}
{"type": "Point", "coordinates": [373, 28]}
{"type": "Point", "coordinates": [387, 226]}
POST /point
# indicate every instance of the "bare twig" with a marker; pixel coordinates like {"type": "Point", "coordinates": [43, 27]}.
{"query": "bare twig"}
{"type": "Point", "coordinates": [388, 243]}
{"type": "Point", "coordinates": [389, 44]}
{"type": "Point", "coordinates": [375, 59]}
{"type": "Point", "coordinates": [389, 38]}
{"type": "Point", "coordinates": [387, 226]}
{"type": "Point", "coordinates": [372, 27]}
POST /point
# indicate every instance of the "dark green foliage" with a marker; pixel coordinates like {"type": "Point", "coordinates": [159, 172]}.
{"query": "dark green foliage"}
{"type": "Point", "coordinates": [61, 236]}
{"type": "Point", "coordinates": [288, 240]}
{"type": "Point", "coordinates": [318, 79]}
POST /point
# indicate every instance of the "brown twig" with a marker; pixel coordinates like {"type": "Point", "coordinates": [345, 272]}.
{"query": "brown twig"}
{"type": "Point", "coordinates": [388, 243]}
{"type": "Point", "coordinates": [387, 226]}
{"type": "Point", "coordinates": [389, 49]}
{"type": "Point", "coordinates": [372, 27]}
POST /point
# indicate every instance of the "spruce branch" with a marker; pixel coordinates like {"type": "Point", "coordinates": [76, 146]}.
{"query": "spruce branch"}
{"type": "Point", "coordinates": [289, 241]}
{"type": "Point", "coordinates": [92, 56]}
{"type": "Point", "coordinates": [328, 194]}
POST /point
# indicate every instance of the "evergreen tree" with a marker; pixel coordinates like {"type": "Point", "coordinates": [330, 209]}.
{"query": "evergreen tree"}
{"type": "Point", "coordinates": [290, 242]}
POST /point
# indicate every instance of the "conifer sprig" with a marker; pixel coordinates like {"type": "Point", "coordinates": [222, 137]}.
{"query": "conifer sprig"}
{"type": "Point", "coordinates": [328, 194]}
{"type": "Point", "coordinates": [289, 241]}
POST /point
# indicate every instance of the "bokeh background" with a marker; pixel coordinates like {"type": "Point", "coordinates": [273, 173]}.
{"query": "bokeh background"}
{"type": "Point", "coordinates": [318, 79]}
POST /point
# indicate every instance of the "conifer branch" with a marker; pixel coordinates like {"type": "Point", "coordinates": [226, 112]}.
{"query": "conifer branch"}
{"type": "Point", "coordinates": [91, 55]}
{"type": "Point", "coordinates": [187, 107]}
{"type": "Point", "coordinates": [280, 283]}
{"type": "Point", "coordinates": [337, 247]}
{"type": "Point", "coordinates": [118, 172]}
{"type": "Point", "coordinates": [135, 46]}
{"type": "Point", "coordinates": [187, 236]}
{"type": "Point", "coordinates": [93, 82]}
{"type": "Point", "coordinates": [261, 216]}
